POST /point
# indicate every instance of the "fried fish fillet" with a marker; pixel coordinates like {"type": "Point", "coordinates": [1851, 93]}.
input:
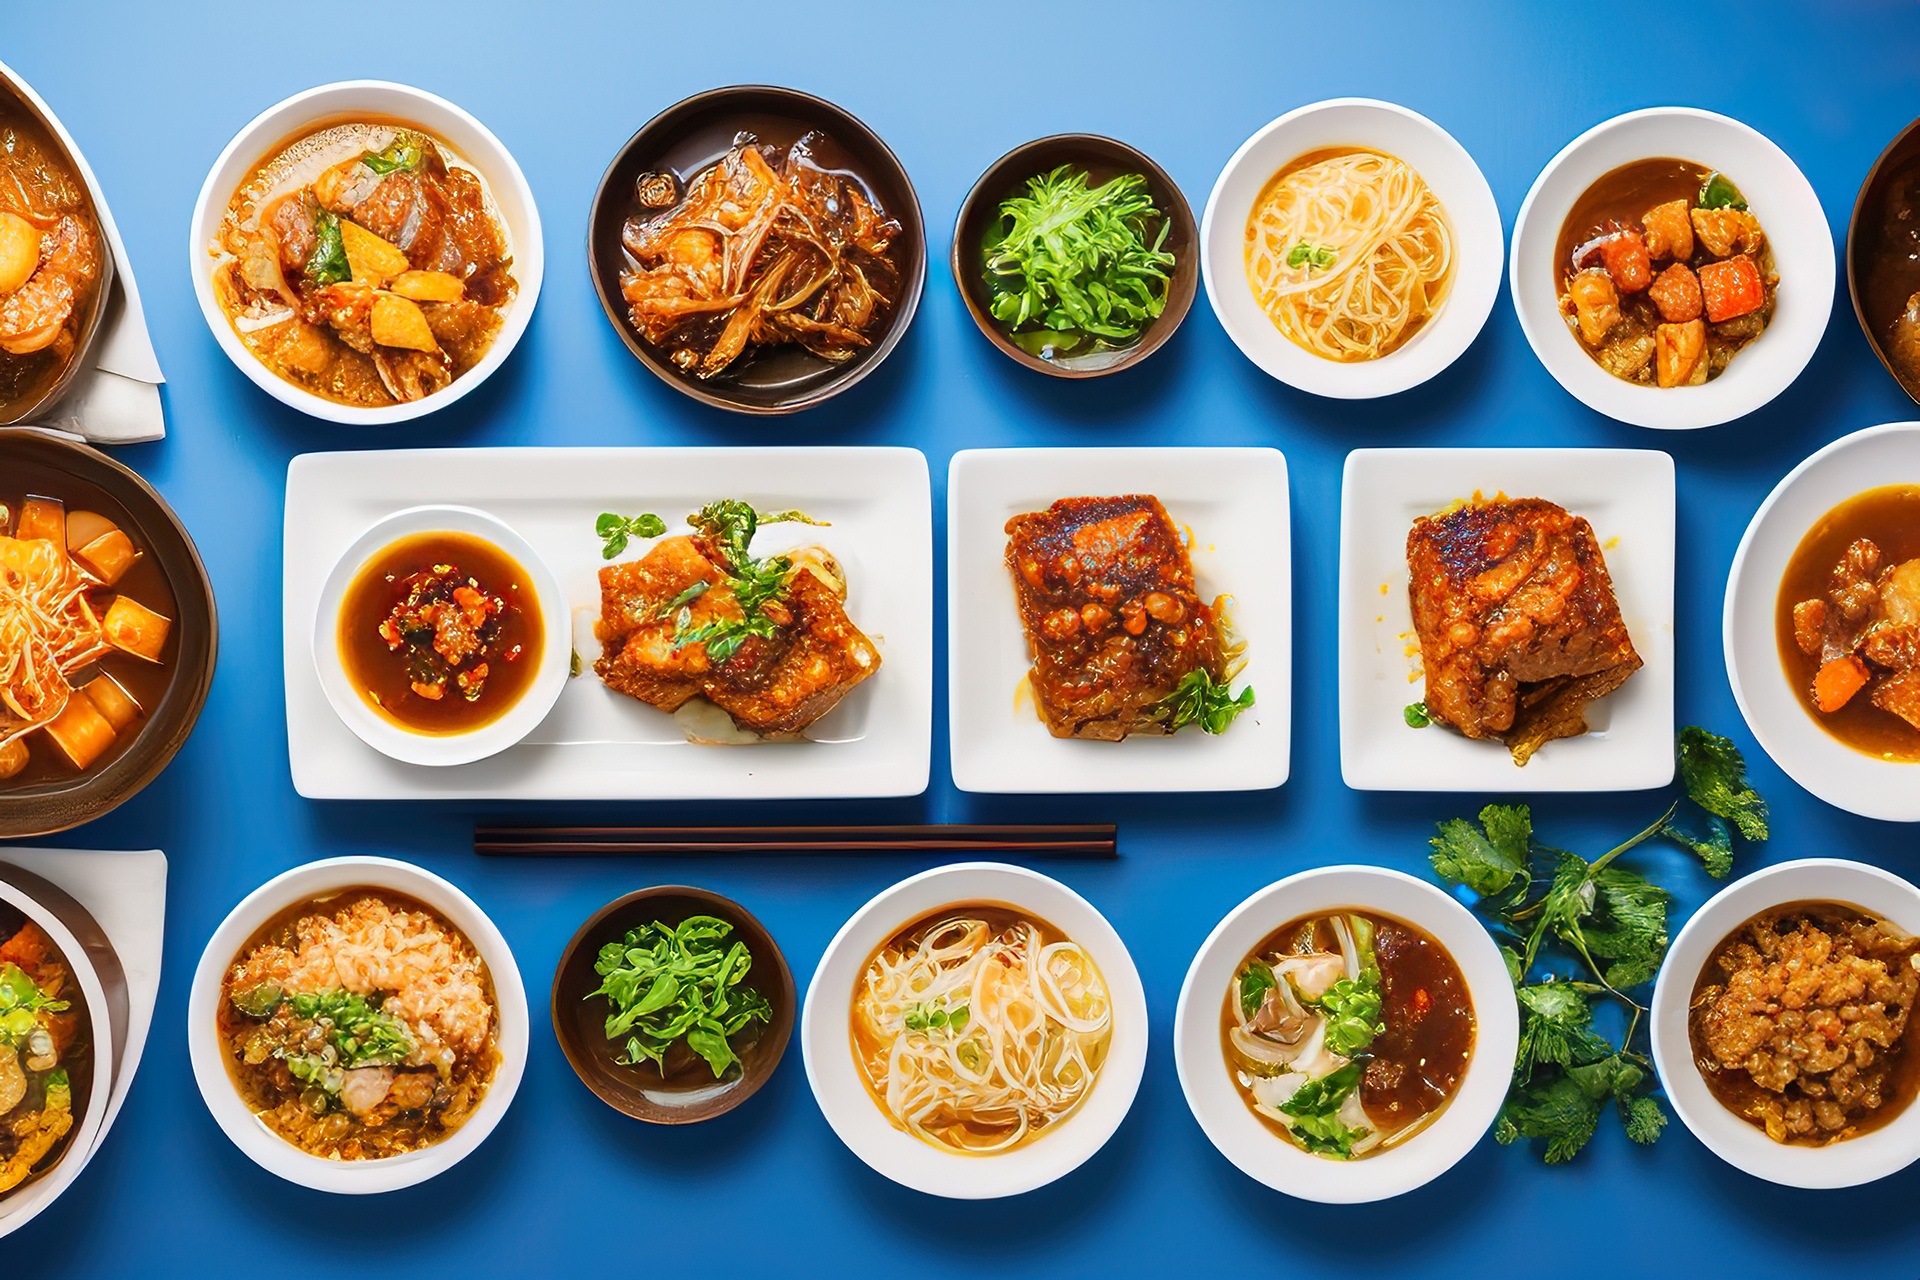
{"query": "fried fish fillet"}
{"type": "Point", "coordinates": [1517, 622]}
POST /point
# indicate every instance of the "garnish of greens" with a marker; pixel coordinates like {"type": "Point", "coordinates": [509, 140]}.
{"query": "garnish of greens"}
{"type": "Point", "coordinates": [1416, 715]}
{"type": "Point", "coordinates": [1718, 192]}
{"type": "Point", "coordinates": [21, 1003]}
{"type": "Point", "coordinates": [1070, 266]}
{"type": "Point", "coordinates": [1574, 932]}
{"type": "Point", "coordinates": [728, 525]}
{"type": "Point", "coordinates": [402, 153]}
{"type": "Point", "coordinates": [1200, 699]}
{"type": "Point", "coordinates": [1311, 256]}
{"type": "Point", "coordinates": [321, 1036]}
{"type": "Point", "coordinates": [327, 264]}
{"type": "Point", "coordinates": [668, 983]}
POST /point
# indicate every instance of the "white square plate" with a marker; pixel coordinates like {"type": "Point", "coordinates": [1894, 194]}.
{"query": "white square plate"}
{"type": "Point", "coordinates": [1234, 502]}
{"type": "Point", "coordinates": [601, 745]}
{"type": "Point", "coordinates": [1625, 494]}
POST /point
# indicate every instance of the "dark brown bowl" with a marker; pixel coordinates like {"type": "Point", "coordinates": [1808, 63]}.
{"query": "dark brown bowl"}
{"type": "Point", "coordinates": [57, 804]}
{"type": "Point", "coordinates": [1879, 296]}
{"type": "Point", "coordinates": [689, 136]}
{"type": "Point", "coordinates": [580, 1023]}
{"type": "Point", "coordinates": [13, 91]}
{"type": "Point", "coordinates": [1102, 158]}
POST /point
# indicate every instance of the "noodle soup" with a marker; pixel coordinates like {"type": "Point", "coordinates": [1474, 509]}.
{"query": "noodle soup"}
{"type": "Point", "coordinates": [1349, 253]}
{"type": "Point", "coordinates": [980, 1027]}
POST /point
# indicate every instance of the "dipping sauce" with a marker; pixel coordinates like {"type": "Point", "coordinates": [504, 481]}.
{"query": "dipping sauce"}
{"type": "Point", "coordinates": [440, 633]}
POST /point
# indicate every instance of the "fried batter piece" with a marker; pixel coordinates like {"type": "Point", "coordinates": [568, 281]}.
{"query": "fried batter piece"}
{"type": "Point", "coordinates": [776, 684]}
{"type": "Point", "coordinates": [1516, 619]}
{"type": "Point", "coordinates": [1106, 594]}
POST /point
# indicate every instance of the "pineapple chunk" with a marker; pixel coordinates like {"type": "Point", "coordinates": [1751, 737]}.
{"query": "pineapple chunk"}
{"type": "Point", "coordinates": [398, 322]}
{"type": "Point", "coordinates": [428, 286]}
{"type": "Point", "coordinates": [81, 732]}
{"type": "Point", "coordinates": [133, 628]}
{"type": "Point", "coordinates": [372, 259]}
{"type": "Point", "coordinates": [108, 556]}
{"type": "Point", "coordinates": [112, 701]}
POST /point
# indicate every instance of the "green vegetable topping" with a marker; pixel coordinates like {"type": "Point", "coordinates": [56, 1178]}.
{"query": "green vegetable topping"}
{"type": "Point", "coordinates": [361, 1035]}
{"type": "Point", "coordinates": [59, 1090]}
{"type": "Point", "coordinates": [1416, 715]}
{"type": "Point", "coordinates": [21, 1004]}
{"type": "Point", "coordinates": [1315, 1108]}
{"type": "Point", "coordinates": [1556, 911]}
{"type": "Point", "coordinates": [1718, 192]}
{"type": "Point", "coordinates": [1085, 266]}
{"type": "Point", "coordinates": [668, 983]}
{"type": "Point", "coordinates": [1254, 985]}
{"type": "Point", "coordinates": [1310, 256]}
{"type": "Point", "coordinates": [729, 525]}
{"type": "Point", "coordinates": [1199, 699]}
{"type": "Point", "coordinates": [404, 152]}
{"type": "Point", "coordinates": [1353, 1013]}
{"type": "Point", "coordinates": [327, 264]}
{"type": "Point", "coordinates": [614, 530]}
{"type": "Point", "coordinates": [931, 1018]}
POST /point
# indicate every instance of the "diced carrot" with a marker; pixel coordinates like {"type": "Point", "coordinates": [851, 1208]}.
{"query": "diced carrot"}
{"type": "Point", "coordinates": [28, 948]}
{"type": "Point", "coordinates": [1836, 682]}
{"type": "Point", "coordinates": [112, 701]}
{"type": "Point", "coordinates": [1625, 256]}
{"type": "Point", "coordinates": [1732, 288]}
{"type": "Point", "coordinates": [81, 732]}
{"type": "Point", "coordinates": [108, 556]}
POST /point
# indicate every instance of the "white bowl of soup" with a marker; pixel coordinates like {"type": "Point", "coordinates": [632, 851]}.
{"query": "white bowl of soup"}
{"type": "Point", "coordinates": [921, 1029]}
{"type": "Point", "coordinates": [1611, 170]}
{"type": "Point", "coordinates": [441, 637]}
{"type": "Point", "coordinates": [366, 252]}
{"type": "Point", "coordinates": [1352, 248]}
{"type": "Point", "coordinates": [1274, 1069]}
{"type": "Point", "coordinates": [1797, 1104]}
{"type": "Point", "coordinates": [357, 1025]}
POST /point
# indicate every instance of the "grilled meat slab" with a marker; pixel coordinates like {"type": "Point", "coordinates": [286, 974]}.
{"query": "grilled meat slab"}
{"type": "Point", "coordinates": [1106, 594]}
{"type": "Point", "coordinates": [1517, 622]}
{"type": "Point", "coordinates": [771, 685]}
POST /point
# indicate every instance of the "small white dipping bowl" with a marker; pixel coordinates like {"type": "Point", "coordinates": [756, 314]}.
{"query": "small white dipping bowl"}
{"type": "Point", "coordinates": [1454, 179]}
{"type": "Point", "coordinates": [1739, 1142]}
{"type": "Point", "coordinates": [1242, 1137]}
{"type": "Point", "coordinates": [1789, 213]}
{"type": "Point", "coordinates": [1775, 712]}
{"type": "Point", "coordinates": [50, 908]}
{"type": "Point", "coordinates": [248, 1132]}
{"type": "Point", "coordinates": [826, 1037]}
{"type": "Point", "coordinates": [333, 103]}
{"type": "Point", "coordinates": [382, 734]}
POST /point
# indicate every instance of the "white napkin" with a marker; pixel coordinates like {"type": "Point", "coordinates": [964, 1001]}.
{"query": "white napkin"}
{"type": "Point", "coordinates": [118, 400]}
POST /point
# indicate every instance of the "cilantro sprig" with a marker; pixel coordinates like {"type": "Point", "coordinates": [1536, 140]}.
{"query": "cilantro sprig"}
{"type": "Point", "coordinates": [1200, 699]}
{"type": "Point", "coordinates": [615, 530]}
{"type": "Point", "coordinates": [1575, 931]}
{"type": "Point", "coordinates": [667, 983]}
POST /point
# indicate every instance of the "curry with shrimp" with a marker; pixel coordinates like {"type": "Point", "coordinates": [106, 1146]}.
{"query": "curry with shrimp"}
{"type": "Point", "coordinates": [51, 262]}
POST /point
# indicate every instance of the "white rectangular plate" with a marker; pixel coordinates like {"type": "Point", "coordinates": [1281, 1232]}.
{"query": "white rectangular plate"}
{"type": "Point", "coordinates": [1234, 502]}
{"type": "Point", "coordinates": [1625, 494]}
{"type": "Point", "coordinates": [601, 745]}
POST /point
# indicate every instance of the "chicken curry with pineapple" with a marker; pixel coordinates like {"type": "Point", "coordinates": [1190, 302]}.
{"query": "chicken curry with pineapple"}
{"type": "Point", "coordinates": [364, 263]}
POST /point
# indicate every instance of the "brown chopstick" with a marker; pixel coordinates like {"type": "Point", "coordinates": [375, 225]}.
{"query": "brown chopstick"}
{"type": "Point", "coordinates": [1090, 840]}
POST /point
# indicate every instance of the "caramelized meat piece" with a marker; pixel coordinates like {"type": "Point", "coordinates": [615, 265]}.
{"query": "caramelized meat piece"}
{"type": "Point", "coordinates": [1676, 291]}
{"type": "Point", "coordinates": [1106, 593]}
{"type": "Point", "coordinates": [1595, 304]}
{"type": "Point", "coordinates": [772, 684]}
{"type": "Point", "coordinates": [1669, 232]}
{"type": "Point", "coordinates": [1677, 352]}
{"type": "Point", "coordinates": [1732, 288]}
{"type": "Point", "coordinates": [1517, 622]}
{"type": "Point", "coordinates": [1625, 256]}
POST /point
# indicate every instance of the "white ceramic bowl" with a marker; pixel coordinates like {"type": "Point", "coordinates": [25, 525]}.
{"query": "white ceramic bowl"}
{"type": "Point", "coordinates": [512, 201]}
{"type": "Point", "coordinates": [1243, 1138]}
{"type": "Point", "coordinates": [50, 908]}
{"type": "Point", "coordinates": [1446, 168]}
{"type": "Point", "coordinates": [268, 1149]}
{"type": "Point", "coordinates": [1740, 1143]}
{"type": "Point", "coordinates": [1788, 210]}
{"type": "Point", "coordinates": [827, 1048]}
{"type": "Point", "coordinates": [457, 748]}
{"type": "Point", "coordinates": [1775, 712]}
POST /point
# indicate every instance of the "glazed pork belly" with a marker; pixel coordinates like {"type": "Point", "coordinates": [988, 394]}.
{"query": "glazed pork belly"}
{"type": "Point", "coordinates": [772, 684]}
{"type": "Point", "coordinates": [1106, 594]}
{"type": "Point", "coordinates": [1516, 619]}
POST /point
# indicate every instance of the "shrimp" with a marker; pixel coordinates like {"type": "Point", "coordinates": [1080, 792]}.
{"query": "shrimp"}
{"type": "Point", "coordinates": [34, 316]}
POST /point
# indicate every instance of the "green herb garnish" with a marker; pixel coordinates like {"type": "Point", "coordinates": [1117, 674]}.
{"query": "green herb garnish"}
{"type": "Point", "coordinates": [1416, 715]}
{"type": "Point", "coordinates": [327, 264]}
{"type": "Point", "coordinates": [668, 983]}
{"type": "Point", "coordinates": [1311, 255]}
{"type": "Point", "coordinates": [1315, 1108]}
{"type": "Point", "coordinates": [361, 1035]}
{"type": "Point", "coordinates": [1199, 699]}
{"type": "Point", "coordinates": [21, 1004]}
{"type": "Point", "coordinates": [1718, 192]}
{"type": "Point", "coordinates": [1352, 1007]}
{"type": "Point", "coordinates": [404, 152]}
{"type": "Point", "coordinates": [1081, 263]}
{"type": "Point", "coordinates": [1254, 985]}
{"type": "Point", "coordinates": [1576, 930]}
{"type": "Point", "coordinates": [614, 530]}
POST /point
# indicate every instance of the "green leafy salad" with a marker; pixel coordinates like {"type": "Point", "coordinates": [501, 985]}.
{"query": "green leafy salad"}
{"type": "Point", "coordinates": [684, 982]}
{"type": "Point", "coordinates": [1072, 268]}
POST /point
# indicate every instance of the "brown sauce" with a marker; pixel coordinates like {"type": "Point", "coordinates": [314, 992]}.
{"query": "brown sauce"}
{"type": "Point", "coordinates": [1893, 1076]}
{"type": "Point", "coordinates": [145, 682]}
{"type": "Point", "coordinates": [1413, 1067]}
{"type": "Point", "coordinates": [1890, 516]}
{"type": "Point", "coordinates": [1621, 196]}
{"type": "Point", "coordinates": [1887, 267]}
{"type": "Point", "coordinates": [389, 678]}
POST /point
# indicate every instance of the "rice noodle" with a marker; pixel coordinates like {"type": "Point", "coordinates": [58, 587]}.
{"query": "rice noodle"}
{"type": "Point", "coordinates": [48, 631]}
{"type": "Point", "coordinates": [1034, 1035]}
{"type": "Point", "coordinates": [1392, 254]}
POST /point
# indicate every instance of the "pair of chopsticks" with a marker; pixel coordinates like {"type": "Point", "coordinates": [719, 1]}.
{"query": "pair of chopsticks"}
{"type": "Point", "coordinates": [1093, 840]}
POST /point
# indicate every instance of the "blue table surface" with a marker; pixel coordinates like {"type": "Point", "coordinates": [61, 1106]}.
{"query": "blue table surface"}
{"type": "Point", "coordinates": [153, 91]}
